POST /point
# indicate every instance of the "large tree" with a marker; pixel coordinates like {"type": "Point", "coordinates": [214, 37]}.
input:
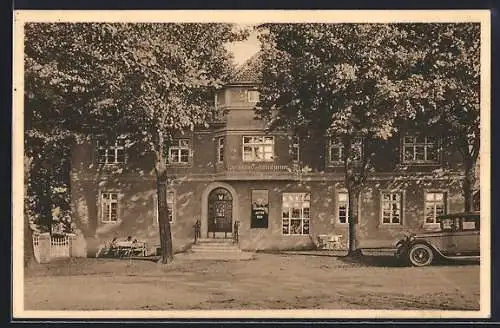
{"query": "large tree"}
{"type": "Point", "coordinates": [337, 79]}
{"type": "Point", "coordinates": [445, 89]}
{"type": "Point", "coordinates": [149, 81]}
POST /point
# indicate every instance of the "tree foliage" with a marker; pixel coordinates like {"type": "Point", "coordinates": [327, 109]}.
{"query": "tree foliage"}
{"type": "Point", "coordinates": [367, 80]}
{"type": "Point", "coordinates": [149, 81]}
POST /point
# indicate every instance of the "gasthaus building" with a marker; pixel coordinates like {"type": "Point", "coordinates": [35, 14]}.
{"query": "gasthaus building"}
{"type": "Point", "coordinates": [284, 192]}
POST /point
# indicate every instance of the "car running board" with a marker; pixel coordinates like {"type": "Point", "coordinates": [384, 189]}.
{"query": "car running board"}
{"type": "Point", "coordinates": [471, 257]}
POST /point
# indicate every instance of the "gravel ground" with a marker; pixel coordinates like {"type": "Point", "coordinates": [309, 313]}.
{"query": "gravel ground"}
{"type": "Point", "coordinates": [269, 281]}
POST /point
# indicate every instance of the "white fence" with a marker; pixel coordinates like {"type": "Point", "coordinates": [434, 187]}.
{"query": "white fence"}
{"type": "Point", "coordinates": [59, 247]}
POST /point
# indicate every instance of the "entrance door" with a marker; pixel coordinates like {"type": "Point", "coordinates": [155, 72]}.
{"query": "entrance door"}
{"type": "Point", "coordinates": [220, 211]}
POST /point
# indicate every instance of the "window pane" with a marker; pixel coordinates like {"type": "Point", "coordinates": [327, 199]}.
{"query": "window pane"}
{"type": "Point", "coordinates": [432, 154]}
{"type": "Point", "coordinates": [269, 140]}
{"type": "Point", "coordinates": [114, 212]}
{"type": "Point", "coordinates": [246, 140]}
{"type": "Point", "coordinates": [296, 227]}
{"type": "Point", "coordinates": [430, 140]}
{"type": "Point", "coordinates": [419, 153]}
{"type": "Point", "coordinates": [170, 197]}
{"type": "Point", "coordinates": [296, 212]}
{"type": "Point", "coordinates": [408, 153]}
{"type": "Point", "coordinates": [120, 156]}
{"type": "Point", "coordinates": [106, 212]}
{"type": "Point", "coordinates": [342, 197]}
{"type": "Point", "coordinates": [306, 212]}
{"type": "Point", "coordinates": [439, 196]}
{"type": "Point", "coordinates": [114, 196]}
{"type": "Point", "coordinates": [335, 154]}
{"type": "Point", "coordinates": [184, 156]}
{"type": "Point", "coordinates": [184, 143]}
{"type": "Point", "coordinates": [286, 227]}
{"type": "Point", "coordinates": [409, 139]}
{"type": "Point", "coordinates": [305, 227]}
{"type": "Point", "coordinates": [420, 139]}
{"type": "Point", "coordinates": [286, 212]}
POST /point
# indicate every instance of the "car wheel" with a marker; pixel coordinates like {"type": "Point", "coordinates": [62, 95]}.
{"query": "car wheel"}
{"type": "Point", "coordinates": [420, 255]}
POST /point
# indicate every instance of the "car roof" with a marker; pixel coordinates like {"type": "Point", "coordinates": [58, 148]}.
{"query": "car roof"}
{"type": "Point", "coordinates": [458, 215]}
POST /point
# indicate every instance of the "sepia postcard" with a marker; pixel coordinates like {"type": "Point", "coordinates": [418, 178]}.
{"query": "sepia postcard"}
{"type": "Point", "coordinates": [251, 164]}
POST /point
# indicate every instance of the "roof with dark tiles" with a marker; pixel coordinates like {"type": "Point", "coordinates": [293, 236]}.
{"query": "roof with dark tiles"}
{"type": "Point", "coordinates": [250, 72]}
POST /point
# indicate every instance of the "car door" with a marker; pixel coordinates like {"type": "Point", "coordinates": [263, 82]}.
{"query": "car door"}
{"type": "Point", "coordinates": [467, 238]}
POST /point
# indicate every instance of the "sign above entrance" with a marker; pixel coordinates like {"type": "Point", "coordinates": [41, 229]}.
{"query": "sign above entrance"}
{"type": "Point", "coordinates": [260, 209]}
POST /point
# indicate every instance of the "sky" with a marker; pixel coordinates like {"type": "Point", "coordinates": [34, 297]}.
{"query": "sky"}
{"type": "Point", "coordinates": [243, 50]}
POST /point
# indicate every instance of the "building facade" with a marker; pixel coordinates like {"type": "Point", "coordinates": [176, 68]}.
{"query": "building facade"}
{"type": "Point", "coordinates": [283, 191]}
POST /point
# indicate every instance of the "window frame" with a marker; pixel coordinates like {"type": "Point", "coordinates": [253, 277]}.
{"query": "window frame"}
{"type": "Point", "coordinates": [357, 142]}
{"type": "Point", "coordinates": [118, 144]}
{"type": "Point", "coordinates": [220, 149]}
{"type": "Point", "coordinates": [255, 99]}
{"type": "Point", "coordinates": [295, 149]}
{"type": "Point", "coordinates": [434, 224]}
{"type": "Point", "coordinates": [337, 207]}
{"type": "Point", "coordinates": [415, 145]}
{"type": "Point", "coordinates": [108, 203]}
{"type": "Point", "coordinates": [401, 208]}
{"type": "Point", "coordinates": [179, 148]}
{"type": "Point", "coordinates": [253, 145]}
{"type": "Point", "coordinates": [302, 217]}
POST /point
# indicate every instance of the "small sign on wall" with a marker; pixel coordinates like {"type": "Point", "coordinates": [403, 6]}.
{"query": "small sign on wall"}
{"type": "Point", "coordinates": [260, 209]}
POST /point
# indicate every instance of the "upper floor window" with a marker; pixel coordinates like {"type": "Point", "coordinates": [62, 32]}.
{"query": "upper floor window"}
{"type": "Point", "coordinates": [109, 207]}
{"type": "Point", "coordinates": [180, 151]}
{"type": "Point", "coordinates": [109, 153]}
{"type": "Point", "coordinates": [336, 150]}
{"type": "Point", "coordinates": [295, 149]}
{"type": "Point", "coordinates": [420, 149]}
{"type": "Point", "coordinates": [220, 150]}
{"type": "Point", "coordinates": [253, 96]}
{"type": "Point", "coordinates": [434, 206]}
{"type": "Point", "coordinates": [391, 204]}
{"type": "Point", "coordinates": [258, 149]}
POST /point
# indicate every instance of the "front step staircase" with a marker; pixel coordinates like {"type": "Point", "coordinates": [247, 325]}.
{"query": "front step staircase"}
{"type": "Point", "coordinates": [217, 249]}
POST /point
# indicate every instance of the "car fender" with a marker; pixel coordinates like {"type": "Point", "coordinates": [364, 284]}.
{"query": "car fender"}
{"type": "Point", "coordinates": [427, 243]}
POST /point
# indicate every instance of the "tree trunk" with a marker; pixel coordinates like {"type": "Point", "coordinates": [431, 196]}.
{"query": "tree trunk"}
{"type": "Point", "coordinates": [352, 214]}
{"type": "Point", "coordinates": [29, 253]}
{"type": "Point", "coordinates": [163, 221]}
{"type": "Point", "coordinates": [468, 185]}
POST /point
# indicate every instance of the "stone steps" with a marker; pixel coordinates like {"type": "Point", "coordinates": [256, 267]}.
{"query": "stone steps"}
{"type": "Point", "coordinates": [217, 249]}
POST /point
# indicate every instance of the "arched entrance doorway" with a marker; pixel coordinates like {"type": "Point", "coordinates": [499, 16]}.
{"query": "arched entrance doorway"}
{"type": "Point", "coordinates": [220, 212]}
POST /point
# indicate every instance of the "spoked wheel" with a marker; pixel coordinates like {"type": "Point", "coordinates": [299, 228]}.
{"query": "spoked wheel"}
{"type": "Point", "coordinates": [421, 255]}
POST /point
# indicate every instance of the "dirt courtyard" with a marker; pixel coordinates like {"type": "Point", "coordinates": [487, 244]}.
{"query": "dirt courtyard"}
{"type": "Point", "coordinates": [269, 281]}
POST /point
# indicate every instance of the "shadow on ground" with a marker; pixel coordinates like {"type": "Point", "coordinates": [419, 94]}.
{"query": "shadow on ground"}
{"type": "Point", "coordinates": [391, 261]}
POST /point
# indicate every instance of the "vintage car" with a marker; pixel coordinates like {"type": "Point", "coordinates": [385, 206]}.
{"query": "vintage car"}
{"type": "Point", "coordinates": [457, 238]}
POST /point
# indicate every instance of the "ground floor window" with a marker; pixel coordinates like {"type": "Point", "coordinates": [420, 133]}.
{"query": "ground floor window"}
{"type": "Point", "coordinates": [391, 207]}
{"type": "Point", "coordinates": [342, 206]}
{"type": "Point", "coordinates": [109, 207]}
{"type": "Point", "coordinates": [434, 206]}
{"type": "Point", "coordinates": [170, 206]}
{"type": "Point", "coordinates": [296, 213]}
